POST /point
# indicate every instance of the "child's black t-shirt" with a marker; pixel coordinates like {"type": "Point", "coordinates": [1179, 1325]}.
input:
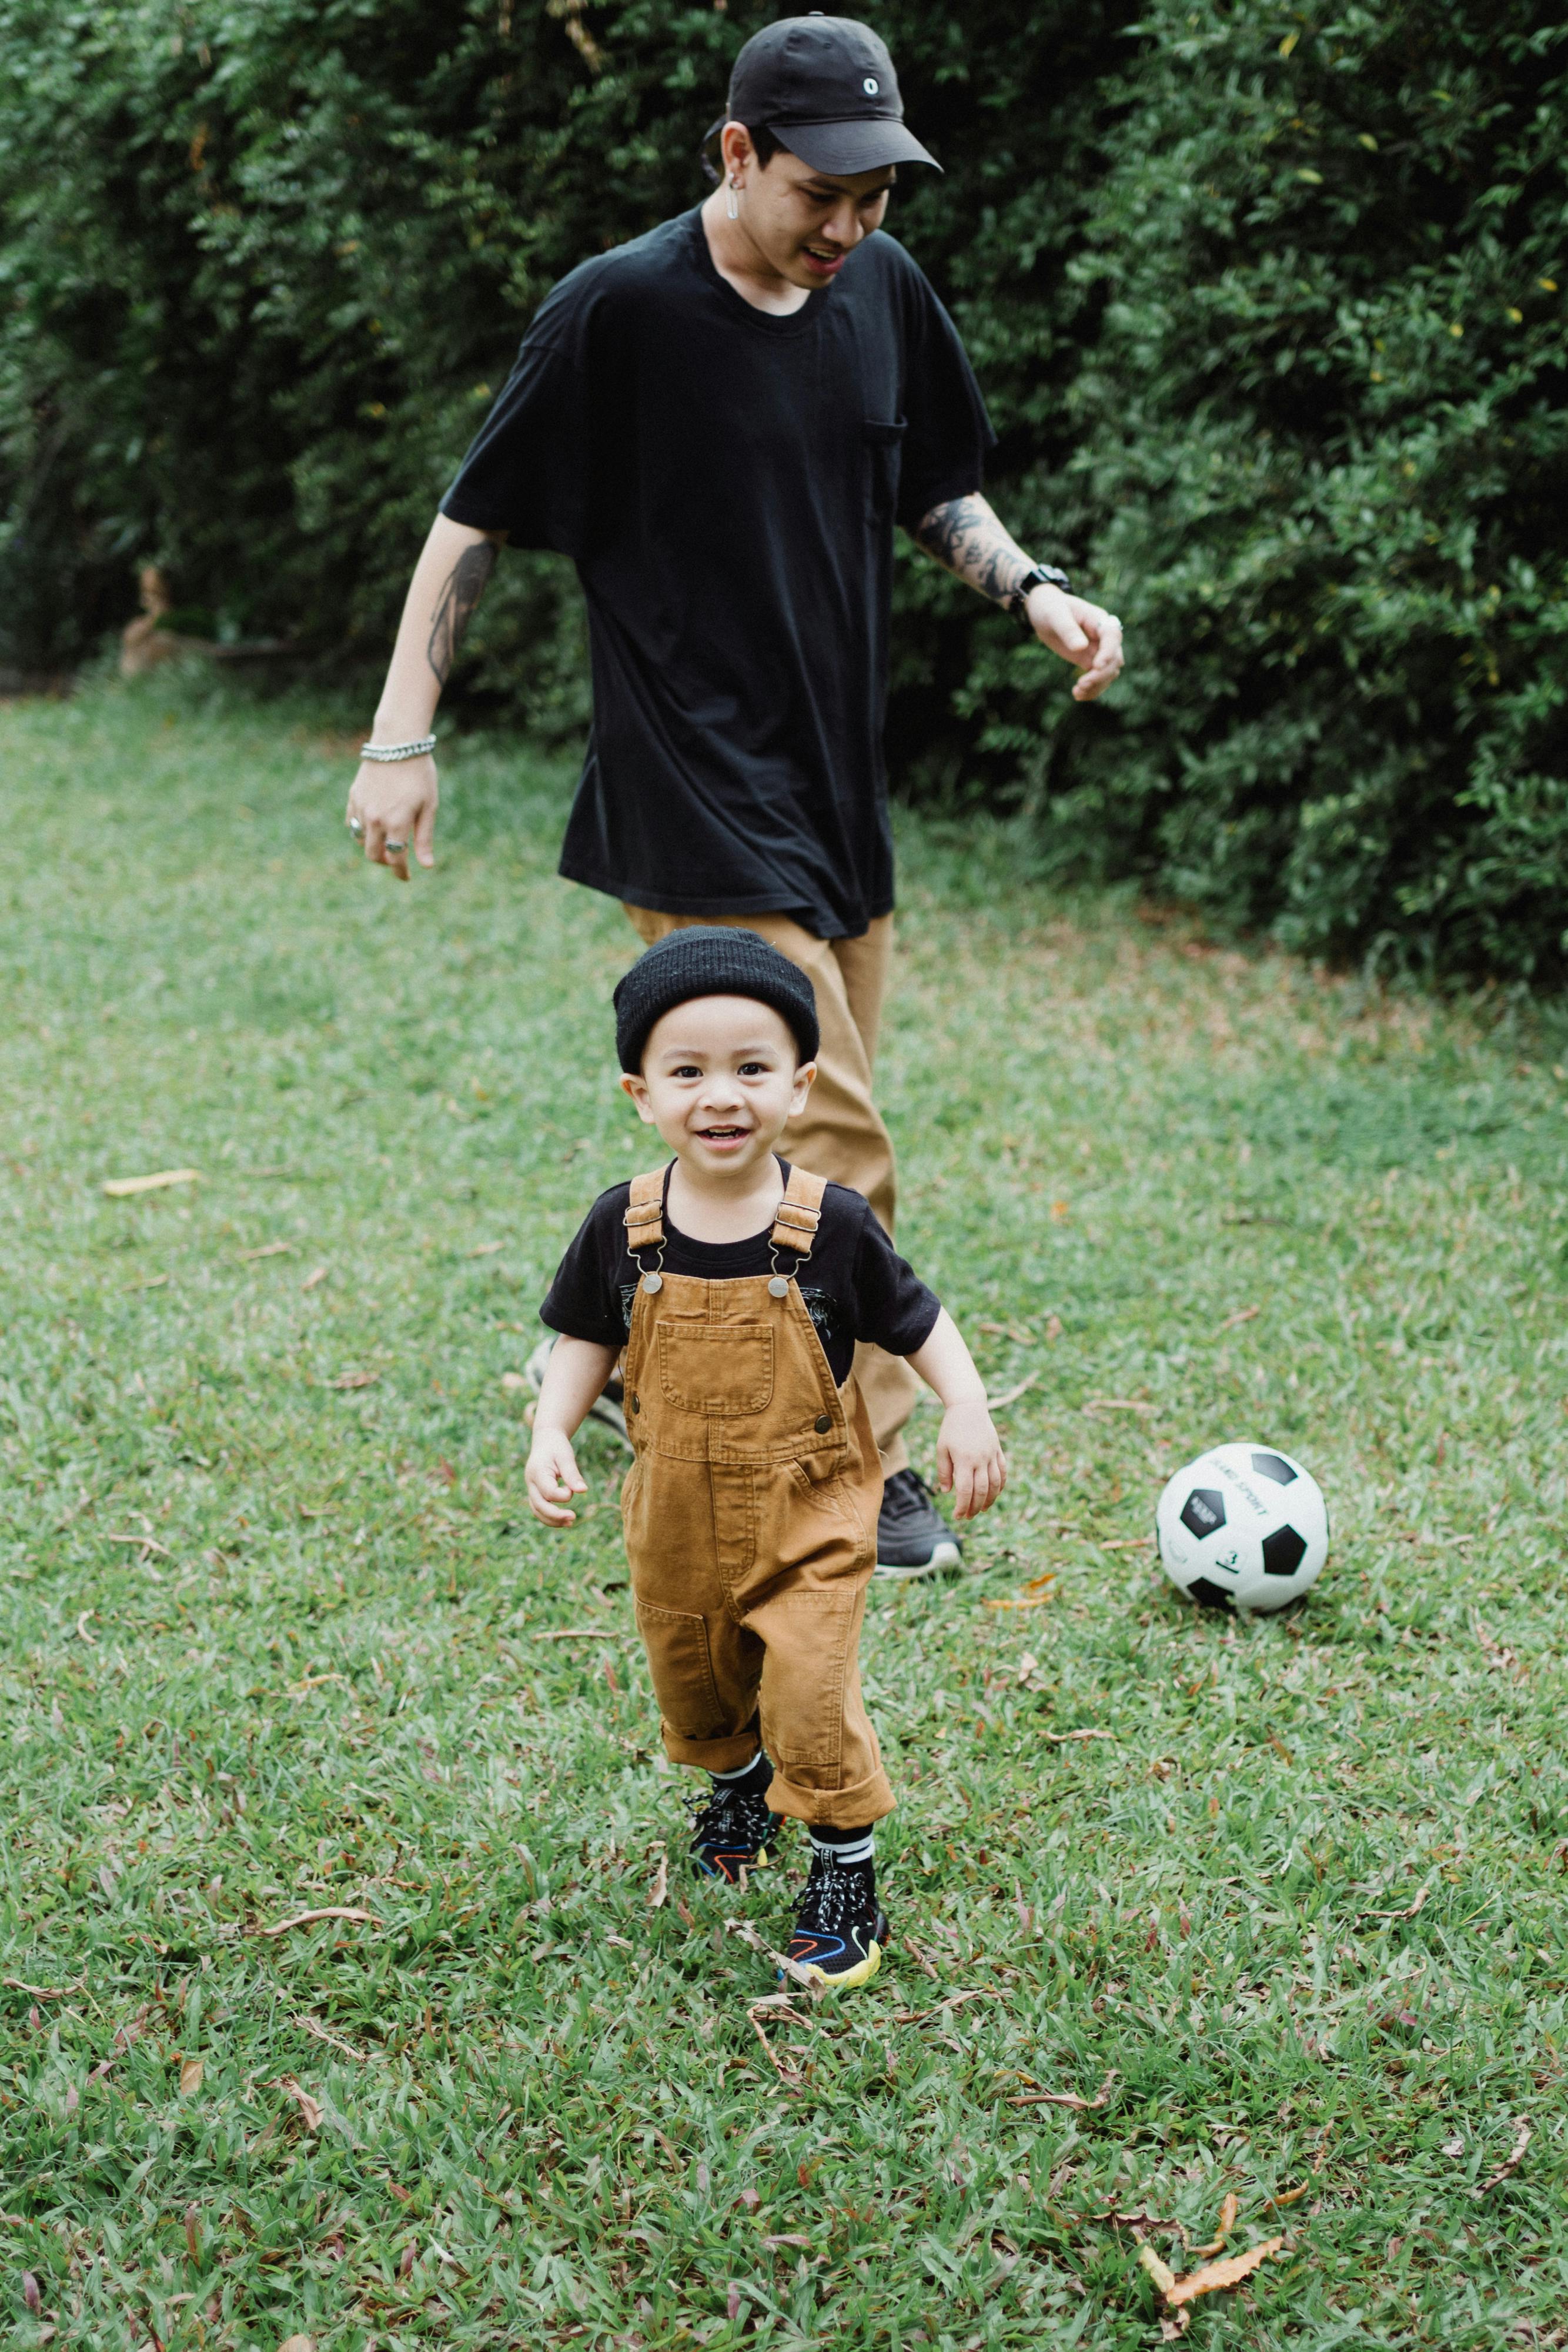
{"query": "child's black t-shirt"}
{"type": "Point", "coordinates": [854, 1283]}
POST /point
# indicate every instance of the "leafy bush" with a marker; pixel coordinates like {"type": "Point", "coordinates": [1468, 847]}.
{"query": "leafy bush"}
{"type": "Point", "coordinates": [1324, 453]}
{"type": "Point", "coordinates": [1266, 305]}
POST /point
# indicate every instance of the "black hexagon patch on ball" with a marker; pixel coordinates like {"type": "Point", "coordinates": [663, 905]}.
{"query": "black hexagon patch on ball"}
{"type": "Point", "coordinates": [1273, 1465]}
{"type": "Point", "coordinates": [1203, 1511]}
{"type": "Point", "coordinates": [1283, 1552]}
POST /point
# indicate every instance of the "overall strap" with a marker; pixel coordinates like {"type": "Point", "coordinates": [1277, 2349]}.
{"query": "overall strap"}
{"type": "Point", "coordinates": [645, 1213]}
{"type": "Point", "coordinates": [800, 1212]}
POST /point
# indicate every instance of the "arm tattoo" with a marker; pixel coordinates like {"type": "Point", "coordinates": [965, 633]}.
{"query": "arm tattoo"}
{"type": "Point", "coordinates": [465, 584]}
{"type": "Point", "coordinates": [967, 535]}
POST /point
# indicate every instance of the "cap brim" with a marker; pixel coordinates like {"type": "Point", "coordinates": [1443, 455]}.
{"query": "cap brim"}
{"type": "Point", "coordinates": [864, 143]}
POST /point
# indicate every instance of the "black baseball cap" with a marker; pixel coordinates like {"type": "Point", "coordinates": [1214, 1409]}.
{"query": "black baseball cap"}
{"type": "Point", "coordinates": [826, 89]}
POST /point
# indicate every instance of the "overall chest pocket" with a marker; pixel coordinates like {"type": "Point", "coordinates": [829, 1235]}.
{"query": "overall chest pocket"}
{"type": "Point", "coordinates": [715, 1368]}
{"type": "Point", "coordinates": [884, 445]}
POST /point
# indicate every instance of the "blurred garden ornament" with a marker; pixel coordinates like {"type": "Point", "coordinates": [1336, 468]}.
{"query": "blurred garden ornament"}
{"type": "Point", "coordinates": [151, 640]}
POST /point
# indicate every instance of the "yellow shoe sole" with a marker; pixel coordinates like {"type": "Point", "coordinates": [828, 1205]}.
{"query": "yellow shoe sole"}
{"type": "Point", "coordinates": [851, 1976]}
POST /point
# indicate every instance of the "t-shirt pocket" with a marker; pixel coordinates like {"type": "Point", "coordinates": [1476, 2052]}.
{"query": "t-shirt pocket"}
{"type": "Point", "coordinates": [884, 445]}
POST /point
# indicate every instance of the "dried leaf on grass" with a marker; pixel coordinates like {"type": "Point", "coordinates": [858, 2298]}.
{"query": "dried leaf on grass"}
{"type": "Point", "coordinates": [1242, 1315]}
{"type": "Point", "coordinates": [1064, 2098]}
{"type": "Point", "coordinates": [1212, 2279]}
{"type": "Point", "coordinates": [514, 1381]}
{"type": "Point", "coordinates": [1034, 1595]}
{"type": "Point", "coordinates": [1057, 1737]}
{"type": "Point", "coordinates": [309, 1919]}
{"type": "Point", "coordinates": [356, 1380]}
{"type": "Point", "coordinates": [1515, 2157]}
{"type": "Point", "coordinates": [1223, 2227]}
{"type": "Point", "coordinates": [267, 1249]}
{"type": "Point", "coordinates": [310, 2110]}
{"type": "Point", "coordinates": [317, 1274]}
{"type": "Point", "coordinates": [660, 1888]}
{"type": "Point", "coordinates": [191, 2073]}
{"type": "Point", "coordinates": [297, 2344]}
{"type": "Point", "coordinates": [121, 1187]}
{"type": "Point", "coordinates": [1215, 2276]}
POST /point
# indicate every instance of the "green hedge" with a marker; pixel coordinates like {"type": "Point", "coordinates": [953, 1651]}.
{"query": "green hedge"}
{"type": "Point", "coordinates": [1266, 302]}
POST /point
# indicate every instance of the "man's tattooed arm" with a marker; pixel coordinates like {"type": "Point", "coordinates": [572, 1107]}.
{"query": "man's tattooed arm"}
{"type": "Point", "coordinates": [465, 585]}
{"type": "Point", "coordinates": [968, 537]}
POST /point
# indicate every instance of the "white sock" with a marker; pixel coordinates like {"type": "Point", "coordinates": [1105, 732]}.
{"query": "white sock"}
{"type": "Point", "coordinates": [741, 1771]}
{"type": "Point", "coordinates": [862, 1850]}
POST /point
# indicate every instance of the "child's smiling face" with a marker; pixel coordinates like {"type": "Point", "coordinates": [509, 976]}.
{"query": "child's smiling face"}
{"type": "Point", "coordinates": [721, 1078]}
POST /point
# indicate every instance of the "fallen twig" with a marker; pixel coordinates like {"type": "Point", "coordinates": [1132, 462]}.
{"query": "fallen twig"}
{"type": "Point", "coordinates": [313, 2025]}
{"type": "Point", "coordinates": [1410, 1908]}
{"type": "Point", "coordinates": [1242, 1315]}
{"type": "Point", "coordinates": [1514, 2159]}
{"type": "Point", "coordinates": [1064, 2098]}
{"type": "Point", "coordinates": [1057, 1737]}
{"type": "Point", "coordinates": [1010, 1396]}
{"type": "Point", "coordinates": [120, 1188]}
{"type": "Point", "coordinates": [309, 1919]}
{"type": "Point", "coordinates": [781, 1960]}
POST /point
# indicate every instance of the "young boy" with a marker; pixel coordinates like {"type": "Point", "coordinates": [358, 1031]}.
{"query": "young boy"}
{"type": "Point", "coordinates": [739, 1287]}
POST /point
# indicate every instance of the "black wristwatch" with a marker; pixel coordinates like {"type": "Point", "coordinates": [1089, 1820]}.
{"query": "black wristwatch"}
{"type": "Point", "coordinates": [1039, 575]}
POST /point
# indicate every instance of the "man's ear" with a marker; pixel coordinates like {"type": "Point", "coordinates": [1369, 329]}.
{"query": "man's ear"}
{"type": "Point", "coordinates": [635, 1084]}
{"type": "Point", "coordinates": [805, 1079]}
{"type": "Point", "coordinates": [735, 147]}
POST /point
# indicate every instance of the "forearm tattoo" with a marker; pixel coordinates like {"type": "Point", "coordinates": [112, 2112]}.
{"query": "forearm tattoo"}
{"type": "Point", "coordinates": [967, 535]}
{"type": "Point", "coordinates": [465, 584]}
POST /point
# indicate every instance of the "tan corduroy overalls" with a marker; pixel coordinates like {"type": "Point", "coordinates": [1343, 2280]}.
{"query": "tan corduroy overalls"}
{"type": "Point", "coordinates": [750, 1515]}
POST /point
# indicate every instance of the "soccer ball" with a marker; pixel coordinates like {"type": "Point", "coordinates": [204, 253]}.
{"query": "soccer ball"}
{"type": "Point", "coordinates": [1243, 1524]}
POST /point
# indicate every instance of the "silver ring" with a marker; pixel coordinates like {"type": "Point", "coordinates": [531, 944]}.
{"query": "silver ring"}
{"type": "Point", "coordinates": [395, 848]}
{"type": "Point", "coordinates": [356, 828]}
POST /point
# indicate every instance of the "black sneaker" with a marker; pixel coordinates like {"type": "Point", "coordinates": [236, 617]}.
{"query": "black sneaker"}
{"type": "Point", "coordinates": [840, 1927]}
{"type": "Point", "coordinates": [913, 1538]}
{"type": "Point", "coordinates": [731, 1832]}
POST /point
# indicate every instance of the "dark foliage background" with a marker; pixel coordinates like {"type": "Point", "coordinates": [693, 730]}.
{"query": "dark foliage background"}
{"type": "Point", "coordinates": [1269, 304]}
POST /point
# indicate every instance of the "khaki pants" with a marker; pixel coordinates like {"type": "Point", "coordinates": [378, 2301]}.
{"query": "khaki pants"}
{"type": "Point", "coordinates": [839, 1134]}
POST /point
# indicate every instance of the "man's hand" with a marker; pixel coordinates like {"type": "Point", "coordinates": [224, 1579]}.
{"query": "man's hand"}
{"type": "Point", "coordinates": [969, 1463]}
{"type": "Point", "coordinates": [968, 537]}
{"type": "Point", "coordinates": [1081, 634]}
{"type": "Point", "coordinates": [553, 1476]}
{"type": "Point", "coordinates": [395, 801]}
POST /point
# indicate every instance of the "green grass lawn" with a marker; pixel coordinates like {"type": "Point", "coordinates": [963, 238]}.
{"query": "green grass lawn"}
{"type": "Point", "coordinates": [275, 1630]}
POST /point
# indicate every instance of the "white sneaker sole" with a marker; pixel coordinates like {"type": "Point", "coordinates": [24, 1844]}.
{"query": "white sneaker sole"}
{"type": "Point", "coordinates": [946, 1555]}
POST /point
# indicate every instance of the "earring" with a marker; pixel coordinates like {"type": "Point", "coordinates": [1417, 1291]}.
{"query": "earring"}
{"type": "Point", "coordinates": [731, 207]}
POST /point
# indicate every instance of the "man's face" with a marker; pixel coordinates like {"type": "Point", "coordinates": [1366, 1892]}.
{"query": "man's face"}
{"type": "Point", "coordinates": [806, 224]}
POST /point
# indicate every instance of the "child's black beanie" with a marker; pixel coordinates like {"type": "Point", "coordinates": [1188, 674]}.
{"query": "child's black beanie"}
{"type": "Point", "coordinates": [711, 960]}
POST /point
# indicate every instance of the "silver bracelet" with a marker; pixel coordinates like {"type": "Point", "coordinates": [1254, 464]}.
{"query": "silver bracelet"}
{"type": "Point", "coordinates": [398, 751]}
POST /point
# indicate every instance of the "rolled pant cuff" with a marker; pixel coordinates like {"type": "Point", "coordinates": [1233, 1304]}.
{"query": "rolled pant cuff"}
{"type": "Point", "coordinates": [726, 1755]}
{"type": "Point", "coordinates": [834, 1809]}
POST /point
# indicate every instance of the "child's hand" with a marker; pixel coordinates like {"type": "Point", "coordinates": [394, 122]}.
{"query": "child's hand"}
{"type": "Point", "coordinates": [552, 1475]}
{"type": "Point", "coordinates": [969, 1463]}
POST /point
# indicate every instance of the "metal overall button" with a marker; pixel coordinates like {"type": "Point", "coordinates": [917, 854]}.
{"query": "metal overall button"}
{"type": "Point", "coordinates": [824, 1422]}
{"type": "Point", "coordinates": [636, 1402]}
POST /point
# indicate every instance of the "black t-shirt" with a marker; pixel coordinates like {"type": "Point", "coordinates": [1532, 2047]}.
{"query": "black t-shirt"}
{"type": "Point", "coordinates": [727, 482]}
{"type": "Point", "coordinates": [854, 1283]}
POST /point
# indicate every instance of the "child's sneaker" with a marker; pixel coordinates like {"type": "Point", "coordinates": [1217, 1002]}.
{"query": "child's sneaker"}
{"type": "Point", "coordinates": [731, 1832]}
{"type": "Point", "coordinates": [840, 1929]}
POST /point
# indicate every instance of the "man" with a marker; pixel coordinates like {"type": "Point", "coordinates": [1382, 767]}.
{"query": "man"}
{"type": "Point", "coordinates": [721, 423]}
